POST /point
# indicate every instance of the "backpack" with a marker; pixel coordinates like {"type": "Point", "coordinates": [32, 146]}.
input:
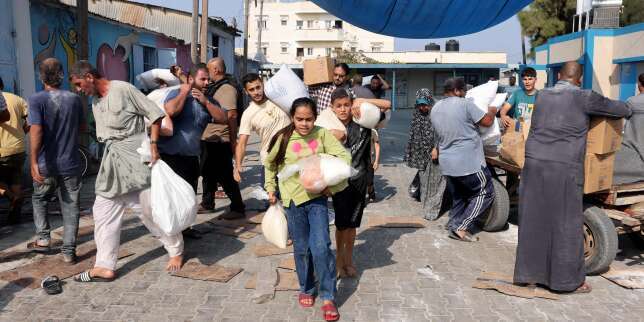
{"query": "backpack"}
{"type": "Point", "coordinates": [230, 80]}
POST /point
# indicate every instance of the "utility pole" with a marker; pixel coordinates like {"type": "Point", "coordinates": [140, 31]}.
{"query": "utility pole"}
{"type": "Point", "coordinates": [204, 30]}
{"type": "Point", "coordinates": [523, 46]}
{"type": "Point", "coordinates": [245, 61]}
{"type": "Point", "coordinates": [195, 31]}
{"type": "Point", "coordinates": [82, 53]}
{"type": "Point", "coordinates": [260, 54]}
{"type": "Point", "coordinates": [82, 49]}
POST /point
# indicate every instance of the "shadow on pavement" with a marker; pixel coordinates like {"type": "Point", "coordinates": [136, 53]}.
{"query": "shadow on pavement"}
{"type": "Point", "coordinates": [371, 254]}
{"type": "Point", "coordinates": [384, 190]}
{"type": "Point", "coordinates": [7, 292]}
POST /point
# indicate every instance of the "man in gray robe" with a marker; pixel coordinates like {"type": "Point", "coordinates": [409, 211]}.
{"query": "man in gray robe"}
{"type": "Point", "coordinates": [629, 160]}
{"type": "Point", "coordinates": [550, 250]}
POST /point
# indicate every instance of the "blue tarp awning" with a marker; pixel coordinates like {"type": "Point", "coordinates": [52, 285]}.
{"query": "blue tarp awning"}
{"type": "Point", "coordinates": [423, 18]}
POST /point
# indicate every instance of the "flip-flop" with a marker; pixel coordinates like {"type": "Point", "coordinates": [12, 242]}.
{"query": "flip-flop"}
{"type": "Point", "coordinates": [330, 312]}
{"type": "Point", "coordinates": [84, 277]}
{"type": "Point", "coordinates": [51, 285]}
{"type": "Point", "coordinates": [468, 238]}
{"type": "Point", "coordinates": [304, 297]}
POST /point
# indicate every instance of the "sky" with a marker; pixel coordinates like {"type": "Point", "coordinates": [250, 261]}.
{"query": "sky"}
{"type": "Point", "coordinates": [504, 37]}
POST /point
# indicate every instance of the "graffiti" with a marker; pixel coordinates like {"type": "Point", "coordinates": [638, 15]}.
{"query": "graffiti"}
{"type": "Point", "coordinates": [69, 45]}
{"type": "Point", "coordinates": [126, 43]}
{"type": "Point", "coordinates": [44, 38]}
{"type": "Point", "coordinates": [112, 63]}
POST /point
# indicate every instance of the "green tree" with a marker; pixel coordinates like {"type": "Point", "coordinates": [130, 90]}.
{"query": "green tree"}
{"type": "Point", "coordinates": [353, 57]}
{"type": "Point", "coordinates": [633, 12]}
{"type": "Point", "coordinates": [544, 19]}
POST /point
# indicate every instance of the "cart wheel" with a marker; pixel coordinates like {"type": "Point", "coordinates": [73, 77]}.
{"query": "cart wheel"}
{"type": "Point", "coordinates": [600, 240]}
{"type": "Point", "coordinates": [497, 215]}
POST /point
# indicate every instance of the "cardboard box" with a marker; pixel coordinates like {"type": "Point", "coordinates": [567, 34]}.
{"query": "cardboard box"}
{"type": "Point", "coordinates": [598, 172]}
{"type": "Point", "coordinates": [318, 71]}
{"type": "Point", "coordinates": [604, 135]}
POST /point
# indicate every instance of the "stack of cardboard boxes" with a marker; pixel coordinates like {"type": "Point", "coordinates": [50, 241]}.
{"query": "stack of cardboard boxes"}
{"type": "Point", "coordinates": [604, 139]}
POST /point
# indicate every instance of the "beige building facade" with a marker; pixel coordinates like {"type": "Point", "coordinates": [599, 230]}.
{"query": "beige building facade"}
{"type": "Point", "coordinates": [294, 31]}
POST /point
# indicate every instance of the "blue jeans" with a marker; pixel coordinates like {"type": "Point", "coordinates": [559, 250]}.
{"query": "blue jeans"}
{"type": "Point", "coordinates": [308, 226]}
{"type": "Point", "coordinates": [68, 189]}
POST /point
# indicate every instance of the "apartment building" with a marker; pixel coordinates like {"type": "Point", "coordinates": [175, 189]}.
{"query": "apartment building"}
{"type": "Point", "coordinates": [294, 31]}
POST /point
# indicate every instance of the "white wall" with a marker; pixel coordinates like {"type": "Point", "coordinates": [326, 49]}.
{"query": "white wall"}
{"type": "Point", "coordinates": [276, 34]}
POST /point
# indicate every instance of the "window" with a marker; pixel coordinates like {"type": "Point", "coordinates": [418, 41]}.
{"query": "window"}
{"type": "Point", "coordinates": [284, 20]}
{"type": "Point", "coordinates": [299, 52]}
{"type": "Point", "coordinates": [353, 49]}
{"type": "Point", "coordinates": [261, 22]}
{"type": "Point", "coordinates": [299, 24]}
{"type": "Point", "coordinates": [338, 24]}
{"type": "Point", "coordinates": [215, 45]}
{"type": "Point", "coordinates": [309, 51]}
{"type": "Point", "coordinates": [309, 24]}
{"type": "Point", "coordinates": [150, 58]}
{"type": "Point", "coordinates": [284, 47]}
{"type": "Point", "coordinates": [328, 51]}
{"type": "Point", "coordinates": [264, 51]}
{"type": "Point", "coordinates": [376, 49]}
{"type": "Point", "coordinates": [328, 24]}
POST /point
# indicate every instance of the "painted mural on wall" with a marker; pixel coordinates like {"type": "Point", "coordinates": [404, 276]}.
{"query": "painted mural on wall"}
{"type": "Point", "coordinates": [110, 44]}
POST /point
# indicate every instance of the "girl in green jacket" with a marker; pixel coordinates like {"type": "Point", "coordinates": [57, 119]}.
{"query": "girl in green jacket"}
{"type": "Point", "coordinates": [307, 213]}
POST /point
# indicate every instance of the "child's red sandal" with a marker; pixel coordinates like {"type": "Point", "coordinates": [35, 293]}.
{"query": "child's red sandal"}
{"type": "Point", "coordinates": [330, 312]}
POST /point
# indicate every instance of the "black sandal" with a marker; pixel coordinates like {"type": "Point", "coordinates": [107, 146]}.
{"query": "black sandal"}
{"type": "Point", "coordinates": [84, 277]}
{"type": "Point", "coordinates": [52, 285]}
{"type": "Point", "coordinates": [469, 238]}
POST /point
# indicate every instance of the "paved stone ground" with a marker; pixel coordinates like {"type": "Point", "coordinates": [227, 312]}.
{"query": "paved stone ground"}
{"type": "Point", "coordinates": [388, 288]}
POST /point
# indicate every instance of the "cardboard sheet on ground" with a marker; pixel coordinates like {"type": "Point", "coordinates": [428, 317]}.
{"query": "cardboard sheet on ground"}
{"type": "Point", "coordinates": [286, 281]}
{"type": "Point", "coordinates": [503, 284]}
{"type": "Point", "coordinates": [31, 275]}
{"type": "Point", "coordinates": [10, 256]}
{"type": "Point", "coordinates": [266, 249]}
{"type": "Point", "coordinates": [632, 278]}
{"type": "Point", "coordinates": [82, 231]}
{"type": "Point", "coordinates": [254, 217]}
{"type": "Point", "coordinates": [237, 223]}
{"type": "Point", "coordinates": [395, 221]}
{"type": "Point", "coordinates": [287, 263]}
{"type": "Point", "coordinates": [243, 230]}
{"type": "Point", "coordinates": [194, 269]}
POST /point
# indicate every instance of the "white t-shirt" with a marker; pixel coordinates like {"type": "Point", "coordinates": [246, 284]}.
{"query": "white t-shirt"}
{"type": "Point", "coordinates": [265, 120]}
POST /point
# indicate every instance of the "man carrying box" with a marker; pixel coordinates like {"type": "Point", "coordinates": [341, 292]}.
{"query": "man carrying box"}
{"type": "Point", "coordinates": [321, 94]}
{"type": "Point", "coordinates": [629, 160]}
{"type": "Point", "coordinates": [550, 250]}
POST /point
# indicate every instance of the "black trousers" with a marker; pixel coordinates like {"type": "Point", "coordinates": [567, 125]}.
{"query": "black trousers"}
{"type": "Point", "coordinates": [217, 167]}
{"type": "Point", "coordinates": [472, 195]}
{"type": "Point", "coordinates": [187, 167]}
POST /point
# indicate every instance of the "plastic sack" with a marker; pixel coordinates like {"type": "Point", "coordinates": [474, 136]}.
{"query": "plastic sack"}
{"type": "Point", "coordinates": [328, 120]}
{"type": "Point", "coordinates": [274, 225]}
{"type": "Point", "coordinates": [482, 96]}
{"type": "Point", "coordinates": [148, 79]}
{"type": "Point", "coordinates": [144, 150]}
{"type": "Point", "coordinates": [284, 88]}
{"type": "Point", "coordinates": [174, 203]}
{"type": "Point", "coordinates": [318, 171]}
{"type": "Point", "coordinates": [158, 96]}
{"type": "Point", "coordinates": [369, 115]}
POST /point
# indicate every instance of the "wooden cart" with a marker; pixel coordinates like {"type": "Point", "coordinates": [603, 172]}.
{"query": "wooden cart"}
{"type": "Point", "coordinates": [607, 214]}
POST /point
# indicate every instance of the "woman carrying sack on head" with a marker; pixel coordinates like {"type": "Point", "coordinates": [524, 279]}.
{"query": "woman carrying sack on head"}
{"type": "Point", "coordinates": [307, 213]}
{"type": "Point", "coordinates": [422, 154]}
